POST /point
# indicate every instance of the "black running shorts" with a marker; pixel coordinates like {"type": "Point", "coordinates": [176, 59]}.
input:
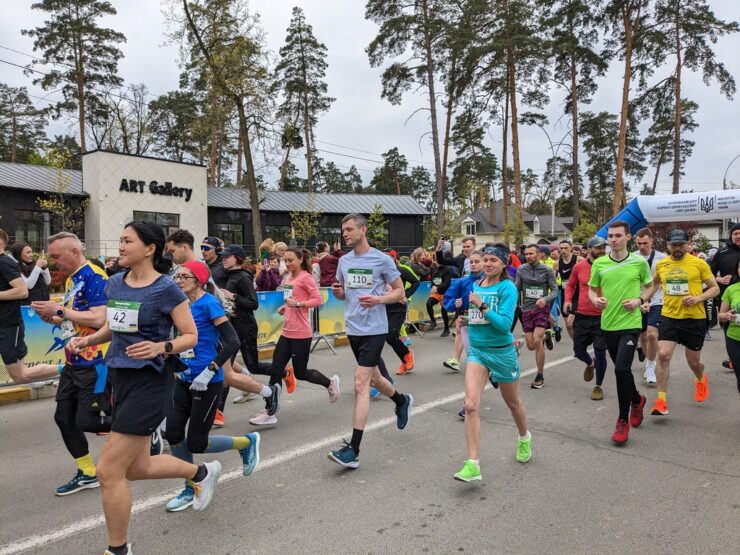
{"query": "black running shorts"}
{"type": "Point", "coordinates": [689, 332]}
{"type": "Point", "coordinates": [12, 344]}
{"type": "Point", "coordinates": [138, 400]}
{"type": "Point", "coordinates": [367, 348]}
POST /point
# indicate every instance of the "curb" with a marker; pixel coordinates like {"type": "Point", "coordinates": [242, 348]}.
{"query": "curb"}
{"type": "Point", "coordinates": [20, 393]}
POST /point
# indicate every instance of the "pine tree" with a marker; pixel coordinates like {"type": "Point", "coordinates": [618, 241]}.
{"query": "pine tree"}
{"type": "Point", "coordinates": [84, 55]}
{"type": "Point", "coordinates": [300, 76]}
{"type": "Point", "coordinates": [175, 126]}
{"type": "Point", "coordinates": [21, 125]}
{"type": "Point", "coordinates": [392, 177]}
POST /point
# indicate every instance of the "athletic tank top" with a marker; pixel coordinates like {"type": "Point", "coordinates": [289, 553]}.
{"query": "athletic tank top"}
{"type": "Point", "coordinates": [564, 269]}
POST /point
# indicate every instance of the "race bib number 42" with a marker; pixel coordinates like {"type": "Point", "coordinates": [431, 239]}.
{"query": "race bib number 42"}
{"type": "Point", "coordinates": [360, 278]}
{"type": "Point", "coordinates": [123, 316]}
{"type": "Point", "coordinates": [677, 287]}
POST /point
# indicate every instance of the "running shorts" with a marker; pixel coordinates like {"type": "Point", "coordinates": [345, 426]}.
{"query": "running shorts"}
{"type": "Point", "coordinates": [536, 318]}
{"type": "Point", "coordinates": [13, 344]}
{"type": "Point", "coordinates": [501, 362]}
{"type": "Point", "coordinates": [587, 331]}
{"type": "Point", "coordinates": [652, 317]}
{"type": "Point", "coordinates": [689, 332]}
{"type": "Point", "coordinates": [367, 348]}
{"type": "Point", "coordinates": [79, 382]}
{"type": "Point", "coordinates": [138, 400]}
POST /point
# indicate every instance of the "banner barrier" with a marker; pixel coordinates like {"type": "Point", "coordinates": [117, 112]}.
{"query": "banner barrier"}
{"type": "Point", "coordinates": [46, 346]}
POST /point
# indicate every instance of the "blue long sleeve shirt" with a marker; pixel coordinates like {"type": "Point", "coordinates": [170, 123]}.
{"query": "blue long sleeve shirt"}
{"type": "Point", "coordinates": [493, 329]}
{"type": "Point", "coordinates": [459, 289]}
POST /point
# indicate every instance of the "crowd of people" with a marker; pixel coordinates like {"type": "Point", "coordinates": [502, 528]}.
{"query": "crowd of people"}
{"type": "Point", "coordinates": [152, 337]}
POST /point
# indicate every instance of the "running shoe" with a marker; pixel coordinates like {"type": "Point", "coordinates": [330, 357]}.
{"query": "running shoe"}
{"type": "Point", "coordinates": [636, 412]}
{"type": "Point", "coordinates": [374, 393]}
{"type": "Point", "coordinates": [445, 333]}
{"type": "Point", "coordinates": [333, 389]}
{"type": "Point", "coordinates": [289, 379]}
{"type": "Point", "coordinates": [407, 341]}
{"type": "Point", "coordinates": [621, 432]}
{"type": "Point", "coordinates": [518, 346]}
{"type": "Point", "coordinates": [524, 449]}
{"type": "Point", "coordinates": [409, 361]}
{"type": "Point", "coordinates": [727, 364]}
{"type": "Point", "coordinates": [660, 407]}
{"type": "Point", "coordinates": [588, 373]}
{"type": "Point", "coordinates": [701, 389]}
{"type": "Point", "coordinates": [183, 500]}
{"type": "Point", "coordinates": [403, 413]}
{"type": "Point", "coordinates": [470, 472]}
{"type": "Point", "coordinates": [640, 353]}
{"type": "Point", "coordinates": [156, 446]}
{"type": "Point", "coordinates": [402, 370]}
{"type": "Point", "coordinates": [263, 419]}
{"type": "Point", "coordinates": [452, 363]}
{"type": "Point", "coordinates": [251, 453]}
{"type": "Point", "coordinates": [218, 421]}
{"type": "Point", "coordinates": [558, 333]}
{"type": "Point", "coordinates": [205, 489]}
{"type": "Point", "coordinates": [597, 394]}
{"type": "Point", "coordinates": [548, 340]}
{"type": "Point", "coordinates": [461, 414]}
{"type": "Point", "coordinates": [539, 382]}
{"type": "Point", "coordinates": [432, 325]}
{"type": "Point", "coordinates": [128, 550]}
{"type": "Point", "coordinates": [244, 397]}
{"type": "Point", "coordinates": [272, 403]}
{"type": "Point", "coordinates": [79, 482]}
{"type": "Point", "coordinates": [346, 456]}
{"type": "Point", "coordinates": [650, 373]}
{"type": "Point", "coordinates": [708, 336]}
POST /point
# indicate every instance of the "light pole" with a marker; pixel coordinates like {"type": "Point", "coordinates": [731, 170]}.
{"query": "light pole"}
{"type": "Point", "coordinates": [724, 188]}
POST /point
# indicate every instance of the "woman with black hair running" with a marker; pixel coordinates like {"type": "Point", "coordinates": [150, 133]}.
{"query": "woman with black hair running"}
{"type": "Point", "coordinates": [143, 306]}
{"type": "Point", "coordinates": [301, 293]}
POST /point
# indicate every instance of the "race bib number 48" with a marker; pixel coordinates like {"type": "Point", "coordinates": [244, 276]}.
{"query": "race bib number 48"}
{"type": "Point", "coordinates": [677, 287]}
{"type": "Point", "coordinates": [360, 278]}
{"type": "Point", "coordinates": [123, 316]}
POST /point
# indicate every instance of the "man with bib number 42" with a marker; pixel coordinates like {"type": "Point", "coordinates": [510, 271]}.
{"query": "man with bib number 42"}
{"type": "Point", "coordinates": [683, 315]}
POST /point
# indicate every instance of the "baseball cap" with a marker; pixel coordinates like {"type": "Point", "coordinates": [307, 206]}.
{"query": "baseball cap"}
{"type": "Point", "coordinates": [235, 250]}
{"type": "Point", "coordinates": [392, 253]}
{"type": "Point", "coordinates": [676, 237]}
{"type": "Point", "coordinates": [212, 241]}
{"type": "Point", "coordinates": [596, 241]}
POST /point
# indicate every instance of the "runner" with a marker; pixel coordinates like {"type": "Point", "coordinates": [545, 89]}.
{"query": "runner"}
{"type": "Point", "coordinates": [729, 313]}
{"type": "Point", "coordinates": [294, 344]}
{"type": "Point", "coordinates": [441, 279]}
{"type": "Point", "coordinates": [396, 313]}
{"type": "Point", "coordinates": [83, 394]}
{"type": "Point", "coordinates": [648, 347]}
{"type": "Point", "coordinates": [563, 268]}
{"type": "Point", "coordinates": [723, 266]}
{"type": "Point", "coordinates": [614, 288]}
{"type": "Point", "coordinates": [492, 355]}
{"type": "Point", "coordinates": [362, 276]}
{"type": "Point", "coordinates": [683, 317]}
{"type": "Point", "coordinates": [587, 321]}
{"type": "Point", "coordinates": [549, 259]}
{"type": "Point", "coordinates": [143, 306]}
{"type": "Point", "coordinates": [536, 283]}
{"type": "Point", "coordinates": [198, 388]}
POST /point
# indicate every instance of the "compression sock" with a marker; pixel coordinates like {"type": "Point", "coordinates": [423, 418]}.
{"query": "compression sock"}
{"type": "Point", "coordinates": [86, 464]}
{"type": "Point", "coordinates": [181, 451]}
{"type": "Point", "coordinates": [356, 439]}
{"type": "Point", "coordinates": [398, 398]}
{"type": "Point", "coordinates": [266, 391]}
{"type": "Point", "coordinates": [219, 444]}
{"type": "Point", "coordinates": [200, 474]}
{"type": "Point", "coordinates": [661, 395]}
{"type": "Point", "coordinates": [120, 550]}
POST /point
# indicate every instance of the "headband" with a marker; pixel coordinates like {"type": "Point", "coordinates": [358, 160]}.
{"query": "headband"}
{"type": "Point", "coordinates": [498, 252]}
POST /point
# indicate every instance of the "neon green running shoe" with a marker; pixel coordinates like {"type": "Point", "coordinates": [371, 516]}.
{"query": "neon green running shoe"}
{"type": "Point", "coordinates": [524, 449]}
{"type": "Point", "coordinates": [469, 472]}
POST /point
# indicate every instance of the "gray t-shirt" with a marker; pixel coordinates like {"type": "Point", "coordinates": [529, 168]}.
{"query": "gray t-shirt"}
{"type": "Point", "coordinates": [138, 314]}
{"type": "Point", "coordinates": [365, 274]}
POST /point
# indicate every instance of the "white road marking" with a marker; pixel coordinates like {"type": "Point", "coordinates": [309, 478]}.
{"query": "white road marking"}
{"type": "Point", "coordinates": [85, 524]}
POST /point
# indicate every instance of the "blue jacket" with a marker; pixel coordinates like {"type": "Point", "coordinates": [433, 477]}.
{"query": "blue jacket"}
{"type": "Point", "coordinates": [459, 289]}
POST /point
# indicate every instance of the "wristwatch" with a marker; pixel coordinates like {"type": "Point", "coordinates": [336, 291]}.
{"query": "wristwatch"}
{"type": "Point", "coordinates": [212, 367]}
{"type": "Point", "coordinates": [298, 304]}
{"type": "Point", "coordinates": [482, 307]}
{"type": "Point", "coordinates": [168, 347]}
{"type": "Point", "coordinates": [60, 312]}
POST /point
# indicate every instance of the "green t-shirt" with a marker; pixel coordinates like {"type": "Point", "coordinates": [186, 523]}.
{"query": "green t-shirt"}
{"type": "Point", "coordinates": [731, 296]}
{"type": "Point", "coordinates": [620, 281]}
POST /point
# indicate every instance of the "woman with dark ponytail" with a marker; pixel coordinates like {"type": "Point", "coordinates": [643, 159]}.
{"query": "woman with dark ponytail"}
{"type": "Point", "coordinates": [143, 306]}
{"type": "Point", "coordinates": [300, 294]}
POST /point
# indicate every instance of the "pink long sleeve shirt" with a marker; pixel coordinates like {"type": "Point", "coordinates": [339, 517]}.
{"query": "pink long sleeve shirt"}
{"type": "Point", "coordinates": [300, 288]}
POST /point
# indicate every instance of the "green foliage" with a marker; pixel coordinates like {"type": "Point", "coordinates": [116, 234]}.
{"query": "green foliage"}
{"type": "Point", "coordinates": [391, 178]}
{"type": "Point", "coordinates": [177, 127]}
{"type": "Point", "coordinates": [583, 231]}
{"type": "Point", "coordinates": [377, 227]}
{"type": "Point", "coordinates": [701, 242]}
{"type": "Point", "coordinates": [516, 229]}
{"type": "Point", "coordinates": [68, 214]}
{"type": "Point", "coordinates": [21, 125]}
{"type": "Point", "coordinates": [305, 222]}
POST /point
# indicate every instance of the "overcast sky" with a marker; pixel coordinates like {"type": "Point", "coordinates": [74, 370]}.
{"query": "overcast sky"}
{"type": "Point", "coordinates": [359, 119]}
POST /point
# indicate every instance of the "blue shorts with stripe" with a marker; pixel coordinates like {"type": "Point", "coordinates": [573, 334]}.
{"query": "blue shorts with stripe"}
{"type": "Point", "coordinates": [501, 362]}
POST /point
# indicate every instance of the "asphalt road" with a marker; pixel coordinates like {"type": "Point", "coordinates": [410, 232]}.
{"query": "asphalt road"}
{"type": "Point", "coordinates": [674, 488]}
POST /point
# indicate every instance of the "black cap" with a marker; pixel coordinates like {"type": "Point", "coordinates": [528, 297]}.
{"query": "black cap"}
{"type": "Point", "coordinates": [213, 241]}
{"type": "Point", "coordinates": [235, 250]}
{"type": "Point", "coordinates": [677, 236]}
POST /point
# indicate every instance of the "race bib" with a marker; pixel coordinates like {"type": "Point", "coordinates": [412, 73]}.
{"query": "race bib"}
{"type": "Point", "coordinates": [677, 288]}
{"type": "Point", "coordinates": [287, 292]}
{"type": "Point", "coordinates": [190, 353]}
{"type": "Point", "coordinates": [360, 278]}
{"type": "Point", "coordinates": [475, 316]}
{"type": "Point", "coordinates": [437, 281]}
{"type": "Point", "coordinates": [123, 316]}
{"type": "Point", "coordinates": [68, 329]}
{"type": "Point", "coordinates": [534, 292]}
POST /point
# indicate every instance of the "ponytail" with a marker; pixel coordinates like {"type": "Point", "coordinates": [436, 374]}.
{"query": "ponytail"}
{"type": "Point", "coordinates": [151, 234]}
{"type": "Point", "coordinates": [304, 256]}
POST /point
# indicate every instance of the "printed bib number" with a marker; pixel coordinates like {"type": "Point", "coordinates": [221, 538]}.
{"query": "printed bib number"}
{"type": "Point", "coordinates": [475, 316]}
{"type": "Point", "coordinates": [123, 316]}
{"type": "Point", "coordinates": [677, 287]}
{"type": "Point", "coordinates": [534, 292]}
{"type": "Point", "coordinates": [287, 292]}
{"type": "Point", "coordinates": [737, 319]}
{"type": "Point", "coordinates": [437, 281]}
{"type": "Point", "coordinates": [360, 278]}
{"type": "Point", "coordinates": [68, 329]}
{"type": "Point", "coordinates": [190, 353]}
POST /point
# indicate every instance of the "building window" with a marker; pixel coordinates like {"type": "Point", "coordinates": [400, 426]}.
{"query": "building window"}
{"type": "Point", "coordinates": [277, 233]}
{"type": "Point", "coordinates": [231, 234]}
{"type": "Point", "coordinates": [469, 228]}
{"type": "Point", "coordinates": [168, 222]}
{"type": "Point", "coordinates": [536, 226]}
{"type": "Point", "coordinates": [31, 227]}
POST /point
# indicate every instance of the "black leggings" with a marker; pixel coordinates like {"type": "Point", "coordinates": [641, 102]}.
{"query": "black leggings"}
{"type": "Point", "coordinates": [621, 346]}
{"type": "Point", "coordinates": [395, 321]}
{"type": "Point", "coordinates": [298, 350]}
{"type": "Point", "coordinates": [73, 421]}
{"type": "Point", "coordinates": [430, 310]}
{"type": "Point", "coordinates": [196, 407]}
{"type": "Point", "coordinates": [733, 350]}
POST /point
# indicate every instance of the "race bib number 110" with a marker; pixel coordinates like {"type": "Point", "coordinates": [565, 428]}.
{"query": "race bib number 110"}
{"type": "Point", "coordinates": [360, 278]}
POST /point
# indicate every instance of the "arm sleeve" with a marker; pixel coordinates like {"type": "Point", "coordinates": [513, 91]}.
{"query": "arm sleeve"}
{"type": "Point", "coordinates": [229, 343]}
{"type": "Point", "coordinates": [33, 277]}
{"type": "Point", "coordinates": [502, 319]}
{"type": "Point", "coordinates": [247, 298]}
{"type": "Point", "coordinates": [450, 296]}
{"type": "Point", "coordinates": [412, 280]}
{"type": "Point", "coordinates": [47, 276]}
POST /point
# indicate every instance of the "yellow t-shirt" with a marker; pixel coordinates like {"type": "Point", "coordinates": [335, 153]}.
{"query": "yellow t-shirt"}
{"type": "Point", "coordinates": [679, 279]}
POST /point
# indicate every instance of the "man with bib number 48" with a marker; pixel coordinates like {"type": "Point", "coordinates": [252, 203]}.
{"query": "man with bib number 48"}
{"type": "Point", "coordinates": [683, 315]}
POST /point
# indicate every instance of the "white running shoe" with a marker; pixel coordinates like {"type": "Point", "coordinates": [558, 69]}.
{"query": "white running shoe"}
{"type": "Point", "coordinates": [650, 373]}
{"type": "Point", "coordinates": [204, 489]}
{"type": "Point", "coordinates": [244, 397]}
{"type": "Point", "coordinates": [333, 389]}
{"type": "Point", "coordinates": [263, 419]}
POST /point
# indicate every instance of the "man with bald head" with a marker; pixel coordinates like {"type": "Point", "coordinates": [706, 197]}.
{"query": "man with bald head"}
{"type": "Point", "coordinates": [83, 395]}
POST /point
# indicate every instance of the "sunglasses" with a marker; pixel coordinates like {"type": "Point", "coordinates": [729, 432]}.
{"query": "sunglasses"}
{"type": "Point", "coordinates": [206, 247]}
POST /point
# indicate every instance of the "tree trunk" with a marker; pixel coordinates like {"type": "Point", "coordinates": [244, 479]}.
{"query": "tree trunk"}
{"type": "Point", "coordinates": [619, 180]}
{"type": "Point", "coordinates": [515, 138]}
{"type": "Point", "coordinates": [80, 82]}
{"type": "Point", "coordinates": [574, 116]}
{"type": "Point", "coordinates": [677, 123]}
{"type": "Point", "coordinates": [433, 116]}
{"type": "Point", "coordinates": [13, 138]}
{"type": "Point", "coordinates": [239, 151]}
{"type": "Point", "coordinates": [657, 169]}
{"type": "Point", "coordinates": [306, 122]}
{"type": "Point", "coordinates": [251, 178]}
{"type": "Point", "coordinates": [504, 161]}
{"type": "Point", "coordinates": [448, 121]}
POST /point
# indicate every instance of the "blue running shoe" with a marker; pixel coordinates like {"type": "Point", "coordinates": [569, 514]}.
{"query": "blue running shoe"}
{"type": "Point", "coordinates": [251, 454]}
{"type": "Point", "coordinates": [345, 456]}
{"type": "Point", "coordinates": [374, 393]}
{"type": "Point", "coordinates": [78, 483]}
{"type": "Point", "coordinates": [403, 413]}
{"type": "Point", "coordinates": [182, 501]}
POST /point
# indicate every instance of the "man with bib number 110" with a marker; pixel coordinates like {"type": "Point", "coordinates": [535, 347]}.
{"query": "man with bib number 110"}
{"type": "Point", "coordinates": [683, 316]}
{"type": "Point", "coordinates": [362, 277]}
{"type": "Point", "coordinates": [538, 289]}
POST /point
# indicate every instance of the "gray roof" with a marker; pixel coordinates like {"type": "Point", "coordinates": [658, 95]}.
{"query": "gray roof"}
{"type": "Point", "coordinates": [284, 201]}
{"type": "Point", "coordinates": [482, 217]}
{"type": "Point", "coordinates": [38, 178]}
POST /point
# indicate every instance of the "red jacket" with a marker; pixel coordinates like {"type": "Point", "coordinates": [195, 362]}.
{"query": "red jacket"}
{"type": "Point", "coordinates": [580, 275]}
{"type": "Point", "coordinates": [328, 266]}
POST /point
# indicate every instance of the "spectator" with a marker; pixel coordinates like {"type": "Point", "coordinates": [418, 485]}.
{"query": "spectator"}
{"type": "Point", "coordinates": [265, 250]}
{"type": "Point", "coordinates": [34, 272]}
{"type": "Point", "coordinates": [417, 264]}
{"type": "Point", "coordinates": [269, 279]}
{"type": "Point", "coordinates": [327, 262]}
